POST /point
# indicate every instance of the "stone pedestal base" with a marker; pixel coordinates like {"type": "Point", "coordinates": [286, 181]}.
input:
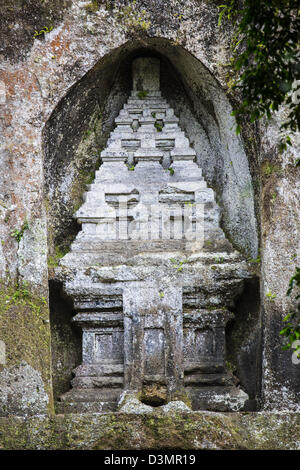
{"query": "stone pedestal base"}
{"type": "Point", "coordinates": [217, 398]}
{"type": "Point", "coordinates": [228, 398]}
{"type": "Point", "coordinates": [89, 401]}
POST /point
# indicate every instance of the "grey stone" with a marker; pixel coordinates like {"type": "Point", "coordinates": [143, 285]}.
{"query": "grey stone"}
{"type": "Point", "coordinates": [146, 75]}
{"type": "Point", "coordinates": [175, 407]}
{"type": "Point", "coordinates": [129, 403]}
{"type": "Point", "coordinates": [22, 391]}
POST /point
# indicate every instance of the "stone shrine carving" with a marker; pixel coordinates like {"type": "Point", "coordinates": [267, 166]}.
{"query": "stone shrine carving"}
{"type": "Point", "coordinates": [151, 274]}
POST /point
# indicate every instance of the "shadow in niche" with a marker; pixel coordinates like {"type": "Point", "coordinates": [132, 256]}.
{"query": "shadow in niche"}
{"type": "Point", "coordinates": [66, 342]}
{"type": "Point", "coordinates": [153, 402]}
{"type": "Point", "coordinates": [243, 342]}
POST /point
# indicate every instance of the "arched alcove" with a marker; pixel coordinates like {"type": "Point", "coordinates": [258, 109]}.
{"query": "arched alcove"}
{"type": "Point", "coordinates": [79, 128]}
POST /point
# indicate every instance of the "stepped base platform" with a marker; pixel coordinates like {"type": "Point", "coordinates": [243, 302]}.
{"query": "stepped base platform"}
{"type": "Point", "coordinates": [226, 398]}
{"type": "Point", "coordinates": [154, 431]}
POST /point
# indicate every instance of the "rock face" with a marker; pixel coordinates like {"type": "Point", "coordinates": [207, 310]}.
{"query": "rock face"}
{"type": "Point", "coordinates": [170, 427]}
{"type": "Point", "coordinates": [25, 396]}
{"type": "Point", "coordinates": [151, 272]}
{"type": "Point", "coordinates": [61, 91]}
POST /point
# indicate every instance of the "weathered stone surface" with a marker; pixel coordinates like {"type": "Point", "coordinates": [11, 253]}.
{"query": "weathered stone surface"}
{"type": "Point", "coordinates": [280, 206]}
{"type": "Point", "coordinates": [175, 406]}
{"type": "Point", "coordinates": [25, 332]}
{"type": "Point", "coordinates": [129, 403]}
{"type": "Point", "coordinates": [22, 392]}
{"type": "Point", "coordinates": [63, 91]}
{"type": "Point", "coordinates": [177, 430]}
{"type": "Point", "coordinates": [57, 60]}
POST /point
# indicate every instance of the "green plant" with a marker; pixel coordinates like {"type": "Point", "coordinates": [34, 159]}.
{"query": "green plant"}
{"type": "Point", "coordinates": [189, 203]}
{"type": "Point", "coordinates": [177, 265]}
{"type": "Point", "coordinates": [159, 126]}
{"type": "Point", "coordinates": [87, 133]}
{"type": "Point", "coordinates": [268, 169]}
{"type": "Point", "coordinates": [274, 196]}
{"type": "Point", "coordinates": [179, 16]}
{"type": "Point", "coordinates": [161, 294]}
{"type": "Point", "coordinates": [22, 291]}
{"type": "Point", "coordinates": [270, 296]}
{"type": "Point", "coordinates": [18, 234]}
{"type": "Point", "coordinates": [292, 329]}
{"type": "Point", "coordinates": [90, 178]}
{"type": "Point", "coordinates": [264, 66]}
{"type": "Point", "coordinates": [255, 260]}
{"type": "Point", "coordinates": [219, 259]}
{"type": "Point", "coordinates": [53, 260]}
{"type": "Point", "coordinates": [171, 170]}
{"type": "Point", "coordinates": [92, 7]}
{"type": "Point", "coordinates": [43, 31]}
{"type": "Point", "coordinates": [231, 367]}
{"type": "Point", "coordinates": [135, 20]}
{"type": "Point", "coordinates": [142, 94]}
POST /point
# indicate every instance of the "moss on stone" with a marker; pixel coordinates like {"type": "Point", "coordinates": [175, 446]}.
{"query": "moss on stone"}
{"type": "Point", "coordinates": [154, 395]}
{"type": "Point", "coordinates": [83, 169]}
{"type": "Point", "coordinates": [92, 7]}
{"type": "Point", "coordinates": [269, 168]}
{"type": "Point", "coordinates": [24, 328]}
{"type": "Point", "coordinates": [53, 260]}
{"type": "Point", "coordinates": [113, 431]}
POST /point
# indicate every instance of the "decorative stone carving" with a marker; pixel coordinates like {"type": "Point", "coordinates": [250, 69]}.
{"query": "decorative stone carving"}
{"type": "Point", "coordinates": [151, 273]}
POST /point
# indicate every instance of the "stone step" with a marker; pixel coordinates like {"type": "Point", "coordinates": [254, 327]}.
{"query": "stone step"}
{"type": "Point", "coordinates": [114, 152]}
{"type": "Point", "coordinates": [167, 132]}
{"type": "Point", "coordinates": [217, 398]}
{"type": "Point", "coordinates": [97, 382]}
{"type": "Point", "coordinates": [68, 407]}
{"type": "Point", "coordinates": [152, 94]}
{"type": "Point", "coordinates": [95, 370]}
{"type": "Point", "coordinates": [148, 154]}
{"type": "Point", "coordinates": [148, 109]}
{"type": "Point", "coordinates": [105, 319]}
{"type": "Point", "coordinates": [91, 395]}
{"type": "Point", "coordinates": [146, 99]}
{"type": "Point", "coordinates": [207, 379]}
{"type": "Point", "coordinates": [135, 107]}
{"type": "Point", "coordinates": [146, 104]}
{"type": "Point", "coordinates": [183, 153]}
{"type": "Point", "coordinates": [133, 247]}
